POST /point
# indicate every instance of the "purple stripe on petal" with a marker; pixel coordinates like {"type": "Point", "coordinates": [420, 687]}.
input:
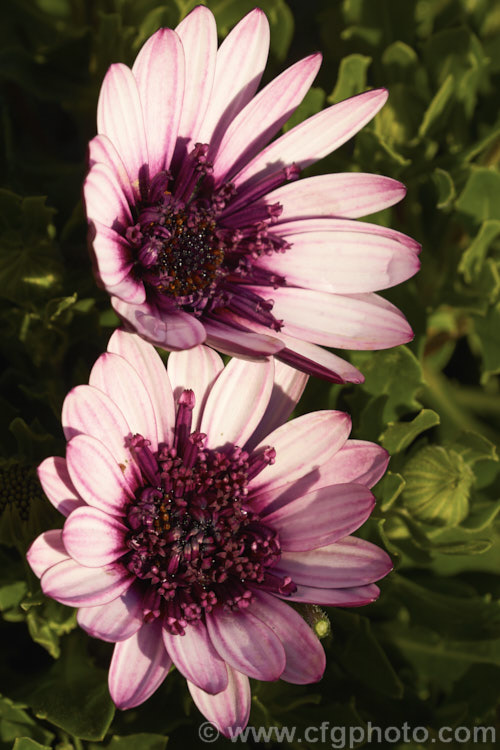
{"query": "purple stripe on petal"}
{"type": "Point", "coordinates": [321, 517]}
{"type": "Point", "coordinates": [288, 387]}
{"type": "Point", "coordinates": [228, 710]}
{"type": "Point", "coordinates": [116, 620]}
{"type": "Point", "coordinates": [237, 401]}
{"type": "Point", "coordinates": [344, 564]}
{"type": "Point", "coordinates": [305, 657]}
{"type": "Point", "coordinates": [350, 194]}
{"type": "Point", "coordinates": [195, 657]}
{"type": "Point", "coordinates": [138, 666]}
{"type": "Point", "coordinates": [113, 375]}
{"type": "Point", "coordinates": [151, 370]}
{"type": "Point", "coordinates": [112, 257]}
{"type": "Point", "coordinates": [47, 550]}
{"type": "Point", "coordinates": [302, 445]}
{"type": "Point", "coordinates": [159, 72]}
{"type": "Point", "coordinates": [195, 369]}
{"type": "Point", "coordinates": [246, 643]}
{"type": "Point", "coordinates": [97, 475]}
{"type": "Point", "coordinates": [57, 485]}
{"type": "Point", "coordinates": [77, 586]}
{"type": "Point", "coordinates": [93, 538]}
{"type": "Point", "coordinates": [198, 35]}
{"type": "Point", "coordinates": [357, 462]}
{"type": "Point", "coordinates": [102, 151]}
{"type": "Point", "coordinates": [337, 224]}
{"type": "Point", "coordinates": [348, 597]}
{"type": "Point", "coordinates": [120, 118]}
{"type": "Point", "coordinates": [89, 411]}
{"type": "Point", "coordinates": [105, 202]}
{"type": "Point", "coordinates": [342, 262]}
{"type": "Point", "coordinates": [355, 321]}
{"type": "Point", "coordinates": [241, 60]}
{"type": "Point", "coordinates": [313, 139]}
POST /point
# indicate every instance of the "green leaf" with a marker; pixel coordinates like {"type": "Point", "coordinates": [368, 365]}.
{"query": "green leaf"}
{"type": "Point", "coordinates": [466, 617]}
{"type": "Point", "coordinates": [13, 586]}
{"type": "Point", "coordinates": [351, 78]}
{"type": "Point", "coordinates": [389, 488]}
{"type": "Point", "coordinates": [445, 187]}
{"type": "Point", "coordinates": [46, 624]}
{"type": "Point", "coordinates": [15, 722]}
{"type": "Point", "coordinates": [472, 260]}
{"type": "Point", "coordinates": [141, 741]}
{"type": "Point", "coordinates": [435, 112]}
{"type": "Point", "coordinates": [29, 263]}
{"type": "Point", "coordinates": [438, 483]}
{"type": "Point", "coordinates": [474, 547]}
{"type": "Point", "coordinates": [481, 516]}
{"type": "Point", "coordinates": [401, 61]}
{"type": "Point", "coordinates": [357, 647]}
{"type": "Point", "coordinates": [487, 328]}
{"type": "Point", "coordinates": [474, 447]}
{"type": "Point", "coordinates": [392, 376]}
{"type": "Point", "coordinates": [72, 682]}
{"type": "Point", "coordinates": [25, 743]}
{"type": "Point", "coordinates": [400, 435]}
{"type": "Point", "coordinates": [479, 198]}
{"type": "Point", "coordinates": [439, 660]}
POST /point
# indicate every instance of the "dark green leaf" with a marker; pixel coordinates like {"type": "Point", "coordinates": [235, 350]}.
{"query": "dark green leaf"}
{"type": "Point", "coordinates": [74, 681]}
{"type": "Point", "coordinates": [351, 78]}
{"type": "Point", "coordinates": [400, 435]}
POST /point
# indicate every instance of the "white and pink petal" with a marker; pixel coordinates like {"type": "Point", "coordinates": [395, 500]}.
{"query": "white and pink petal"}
{"type": "Point", "coordinates": [159, 72]}
{"type": "Point", "coordinates": [138, 666]}
{"type": "Point", "coordinates": [195, 369]}
{"type": "Point", "coordinates": [57, 485]}
{"type": "Point", "coordinates": [120, 118]}
{"type": "Point", "coordinates": [195, 657]}
{"type": "Point", "coordinates": [228, 710]}
{"type": "Point", "coordinates": [320, 517]}
{"type": "Point", "coordinates": [93, 538]}
{"type": "Point", "coordinates": [72, 584]}
{"type": "Point", "coordinates": [116, 620]}
{"type": "Point", "coordinates": [348, 597]}
{"type": "Point", "coordinates": [246, 643]}
{"type": "Point", "coordinates": [149, 367]}
{"type": "Point", "coordinates": [348, 194]}
{"type": "Point", "coordinates": [171, 330]}
{"type": "Point", "coordinates": [237, 401]}
{"type": "Point", "coordinates": [240, 63]}
{"type": "Point", "coordinates": [314, 138]}
{"type": "Point", "coordinates": [198, 35]}
{"type": "Point", "coordinates": [47, 550]}
{"type": "Point", "coordinates": [348, 563]}
{"type": "Point", "coordinates": [97, 475]}
{"type": "Point", "coordinates": [302, 445]}
{"type": "Point", "coordinates": [113, 375]}
{"type": "Point", "coordinates": [305, 657]}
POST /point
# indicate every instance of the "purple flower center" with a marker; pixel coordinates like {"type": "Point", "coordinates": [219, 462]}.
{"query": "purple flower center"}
{"type": "Point", "coordinates": [194, 541]}
{"type": "Point", "coordinates": [194, 250]}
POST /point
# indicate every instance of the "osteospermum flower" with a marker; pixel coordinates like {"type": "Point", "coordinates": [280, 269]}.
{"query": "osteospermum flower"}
{"type": "Point", "coordinates": [195, 515]}
{"type": "Point", "coordinates": [200, 231]}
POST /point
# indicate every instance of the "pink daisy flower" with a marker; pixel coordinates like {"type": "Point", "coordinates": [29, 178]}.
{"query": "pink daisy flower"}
{"type": "Point", "coordinates": [200, 231]}
{"type": "Point", "coordinates": [195, 513]}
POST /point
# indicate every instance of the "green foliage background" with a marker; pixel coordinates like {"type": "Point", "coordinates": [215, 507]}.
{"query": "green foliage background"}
{"type": "Point", "coordinates": [428, 652]}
